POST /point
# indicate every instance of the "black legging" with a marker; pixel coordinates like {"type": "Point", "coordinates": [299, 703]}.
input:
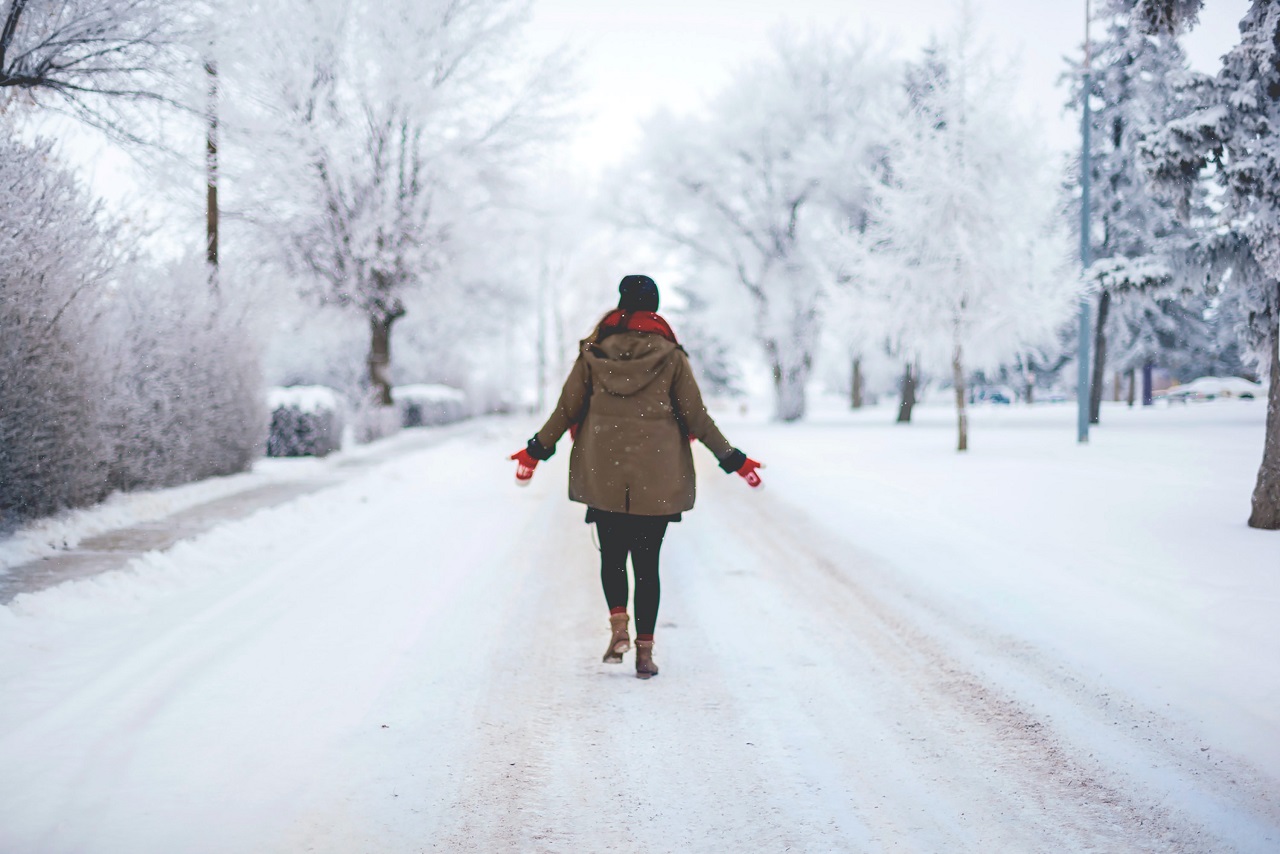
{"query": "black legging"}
{"type": "Point", "coordinates": [641, 536]}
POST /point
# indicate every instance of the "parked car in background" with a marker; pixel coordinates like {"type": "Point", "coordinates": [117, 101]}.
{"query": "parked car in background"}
{"type": "Point", "coordinates": [1213, 388]}
{"type": "Point", "coordinates": [999, 395]}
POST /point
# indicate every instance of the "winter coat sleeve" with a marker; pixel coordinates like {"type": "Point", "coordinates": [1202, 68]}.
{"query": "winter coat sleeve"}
{"type": "Point", "coordinates": [692, 413]}
{"type": "Point", "coordinates": [570, 410]}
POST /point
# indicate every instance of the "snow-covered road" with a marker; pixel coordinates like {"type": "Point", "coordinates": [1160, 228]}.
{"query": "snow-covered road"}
{"type": "Point", "coordinates": [409, 661]}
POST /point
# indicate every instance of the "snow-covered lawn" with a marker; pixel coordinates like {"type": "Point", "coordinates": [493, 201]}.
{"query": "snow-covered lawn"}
{"type": "Point", "coordinates": [1129, 558]}
{"type": "Point", "coordinates": [1036, 646]}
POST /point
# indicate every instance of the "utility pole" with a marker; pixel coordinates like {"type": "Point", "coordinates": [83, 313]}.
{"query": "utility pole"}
{"type": "Point", "coordinates": [1086, 168]}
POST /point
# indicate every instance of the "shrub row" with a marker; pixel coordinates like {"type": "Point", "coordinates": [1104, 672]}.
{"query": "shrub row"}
{"type": "Point", "coordinates": [112, 375]}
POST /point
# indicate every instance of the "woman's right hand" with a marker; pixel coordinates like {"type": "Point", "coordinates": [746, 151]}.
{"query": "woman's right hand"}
{"type": "Point", "coordinates": [525, 465]}
{"type": "Point", "coordinates": [749, 473]}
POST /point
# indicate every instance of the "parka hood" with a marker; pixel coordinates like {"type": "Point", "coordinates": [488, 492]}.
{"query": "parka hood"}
{"type": "Point", "coordinates": [627, 362]}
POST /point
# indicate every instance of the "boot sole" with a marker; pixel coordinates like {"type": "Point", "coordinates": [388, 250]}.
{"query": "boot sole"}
{"type": "Point", "coordinates": [645, 675]}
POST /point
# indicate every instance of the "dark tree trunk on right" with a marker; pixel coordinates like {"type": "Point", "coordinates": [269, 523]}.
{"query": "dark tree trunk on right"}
{"type": "Point", "coordinates": [908, 401]}
{"type": "Point", "coordinates": [1266, 495]}
{"type": "Point", "coordinates": [856, 393]}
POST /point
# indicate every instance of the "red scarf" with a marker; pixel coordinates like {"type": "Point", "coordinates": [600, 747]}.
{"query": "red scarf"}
{"type": "Point", "coordinates": [639, 321]}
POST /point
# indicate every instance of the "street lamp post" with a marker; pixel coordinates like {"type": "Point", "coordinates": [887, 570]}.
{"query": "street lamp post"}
{"type": "Point", "coordinates": [1082, 385]}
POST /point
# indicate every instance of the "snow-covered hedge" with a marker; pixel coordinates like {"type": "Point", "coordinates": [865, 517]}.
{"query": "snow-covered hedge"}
{"type": "Point", "coordinates": [186, 399]}
{"type": "Point", "coordinates": [51, 248]}
{"type": "Point", "coordinates": [429, 404]}
{"type": "Point", "coordinates": [306, 421]}
{"type": "Point", "coordinates": [113, 375]}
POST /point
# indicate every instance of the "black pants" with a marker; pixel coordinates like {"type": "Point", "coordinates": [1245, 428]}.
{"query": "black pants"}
{"type": "Point", "coordinates": [641, 537]}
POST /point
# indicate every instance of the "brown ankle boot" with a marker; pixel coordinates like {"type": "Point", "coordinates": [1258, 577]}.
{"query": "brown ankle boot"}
{"type": "Point", "coordinates": [645, 668]}
{"type": "Point", "coordinates": [619, 641]}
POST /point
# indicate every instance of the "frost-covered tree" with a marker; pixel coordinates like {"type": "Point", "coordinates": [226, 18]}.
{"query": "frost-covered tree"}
{"type": "Point", "coordinates": [1233, 136]}
{"type": "Point", "coordinates": [963, 251]}
{"type": "Point", "coordinates": [391, 124]}
{"type": "Point", "coordinates": [747, 186]}
{"type": "Point", "coordinates": [1166, 16]}
{"type": "Point", "coordinates": [1137, 86]}
{"type": "Point", "coordinates": [91, 57]}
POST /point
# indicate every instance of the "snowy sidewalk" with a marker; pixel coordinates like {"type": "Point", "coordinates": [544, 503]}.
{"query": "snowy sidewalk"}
{"type": "Point", "coordinates": [409, 661]}
{"type": "Point", "coordinates": [231, 499]}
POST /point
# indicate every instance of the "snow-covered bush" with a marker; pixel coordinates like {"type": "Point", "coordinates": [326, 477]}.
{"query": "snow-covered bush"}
{"type": "Point", "coordinates": [186, 398]}
{"type": "Point", "coordinates": [52, 266]}
{"type": "Point", "coordinates": [429, 405]}
{"type": "Point", "coordinates": [112, 375]}
{"type": "Point", "coordinates": [306, 421]}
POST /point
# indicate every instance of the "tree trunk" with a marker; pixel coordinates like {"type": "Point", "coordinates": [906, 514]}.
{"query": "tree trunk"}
{"type": "Point", "coordinates": [1266, 495]}
{"type": "Point", "coordinates": [1115, 386]}
{"type": "Point", "coordinates": [789, 389]}
{"type": "Point", "coordinates": [908, 401]}
{"type": "Point", "coordinates": [1148, 397]}
{"type": "Point", "coordinates": [1099, 358]}
{"type": "Point", "coordinates": [380, 356]}
{"type": "Point", "coordinates": [1133, 383]}
{"type": "Point", "coordinates": [962, 414]}
{"type": "Point", "coordinates": [856, 394]}
{"type": "Point", "coordinates": [211, 175]}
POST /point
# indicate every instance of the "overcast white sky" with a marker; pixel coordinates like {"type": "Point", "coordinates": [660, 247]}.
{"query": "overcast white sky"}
{"type": "Point", "coordinates": [640, 56]}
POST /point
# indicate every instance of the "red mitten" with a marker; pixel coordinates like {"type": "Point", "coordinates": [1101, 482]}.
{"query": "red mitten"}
{"type": "Point", "coordinates": [525, 465]}
{"type": "Point", "coordinates": [749, 473]}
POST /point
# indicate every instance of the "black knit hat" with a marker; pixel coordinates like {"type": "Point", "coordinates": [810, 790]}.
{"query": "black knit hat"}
{"type": "Point", "coordinates": [638, 293]}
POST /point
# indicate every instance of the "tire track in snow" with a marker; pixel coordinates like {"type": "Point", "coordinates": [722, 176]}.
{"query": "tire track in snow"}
{"type": "Point", "coordinates": [1054, 791]}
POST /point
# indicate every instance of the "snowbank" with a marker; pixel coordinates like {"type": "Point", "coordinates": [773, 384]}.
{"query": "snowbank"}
{"type": "Point", "coordinates": [305, 398]}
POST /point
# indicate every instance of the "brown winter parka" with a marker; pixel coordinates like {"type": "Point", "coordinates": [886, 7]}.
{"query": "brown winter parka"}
{"type": "Point", "coordinates": [636, 402]}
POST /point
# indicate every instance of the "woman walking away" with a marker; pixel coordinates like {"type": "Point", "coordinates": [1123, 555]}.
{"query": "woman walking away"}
{"type": "Point", "coordinates": [633, 408]}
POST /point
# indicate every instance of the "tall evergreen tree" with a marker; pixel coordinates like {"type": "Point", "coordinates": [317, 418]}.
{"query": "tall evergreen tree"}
{"type": "Point", "coordinates": [1136, 89]}
{"type": "Point", "coordinates": [1233, 136]}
